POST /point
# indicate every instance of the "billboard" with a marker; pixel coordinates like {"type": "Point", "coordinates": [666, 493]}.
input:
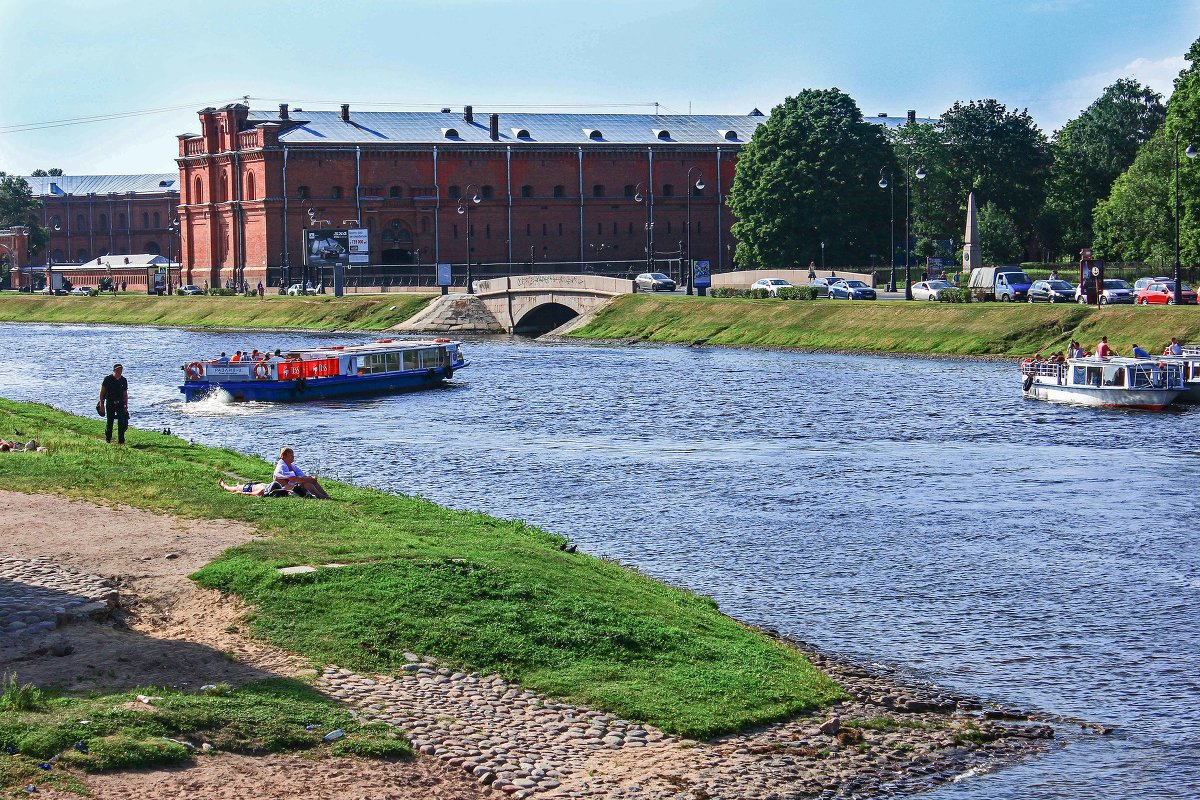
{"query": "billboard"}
{"type": "Point", "coordinates": [342, 246]}
{"type": "Point", "coordinates": [702, 274]}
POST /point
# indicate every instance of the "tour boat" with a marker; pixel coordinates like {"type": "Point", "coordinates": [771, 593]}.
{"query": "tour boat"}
{"type": "Point", "coordinates": [1190, 363]}
{"type": "Point", "coordinates": [325, 372]}
{"type": "Point", "coordinates": [1149, 383]}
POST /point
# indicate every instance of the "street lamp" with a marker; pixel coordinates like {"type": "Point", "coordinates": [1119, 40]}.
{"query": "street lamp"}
{"type": "Point", "coordinates": [50, 259]}
{"type": "Point", "coordinates": [822, 256]}
{"type": "Point", "coordinates": [417, 253]}
{"type": "Point", "coordinates": [699, 185]}
{"type": "Point", "coordinates": [884, 183]}
{"type": "Point", "coordinates": [638, 197]}
{"type": "Point", "coordinates": [597, 252]}
{"type": "Point", "coordinates": [172, 232]}
{"type": "Point", "coordinates": [920, 175]}
{"type": "Point", "coordinates": [464, 207]}
{"type": "Point", "coordinates": [1191, 152]}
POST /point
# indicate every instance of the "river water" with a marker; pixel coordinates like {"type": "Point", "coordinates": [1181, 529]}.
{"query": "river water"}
{"type": "Point", "coordinates": [914, 512]}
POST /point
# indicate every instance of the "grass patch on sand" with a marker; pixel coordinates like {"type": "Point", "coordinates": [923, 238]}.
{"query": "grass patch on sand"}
{"type": "Point", "coordinates": [889, 326]}
{"type": "Point", "coordinates": [103, 732]}
{"type": "Point", "coordinates": [481, 593]}
{"type": "Point", "coordinates": [322, 312]}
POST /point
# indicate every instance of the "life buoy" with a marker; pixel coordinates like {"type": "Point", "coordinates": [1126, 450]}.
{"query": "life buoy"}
{"type": "Point", "coordinates": [261, 370]}
{"type": "Point", "coordinates": [1028, 382]}
{"type": "Point", "coordinates": [441, 341]}
{"type": "Point", "coordinates": [195, 370]}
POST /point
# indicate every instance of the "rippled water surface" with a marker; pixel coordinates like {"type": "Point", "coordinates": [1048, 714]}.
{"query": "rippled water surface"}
{"type": "Point", "coordinates": [915, 512]}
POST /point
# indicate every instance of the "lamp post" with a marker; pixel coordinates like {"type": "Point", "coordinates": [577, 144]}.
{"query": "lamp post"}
{"type": "Point", "coordinates": [597, 252]}
{"type": "Point", "coordinates": [822, 256]}
{"type": "Point", "coordinates": [50, 259]}
{"type": "Point", "coordinates": [417, 253]}
{"type": "Point", "coordinates": [699, 184]}
{"type": "Point", "coordinates": [638, 197]}
{"type": "Point", "coordinates": [1191, 152]}
{"type": "Point", "coordinates": [885, 183]}
{"type": "Point", "coordinates": [920, 175]}
{"type": "Point", "coordinates": [464, 207]}
{"type": "Point", "coordinates": [172, 232]}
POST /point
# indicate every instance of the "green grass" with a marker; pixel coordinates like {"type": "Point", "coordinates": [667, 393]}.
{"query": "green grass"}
{"type": "Point", "coordinates": [994, 329]}
{"type": "Point", "coordinates": [104, 732]}
{"type": "Point", "coordinates": [482, 593]}
{"type": "Point", "coordinates": [367, 312]}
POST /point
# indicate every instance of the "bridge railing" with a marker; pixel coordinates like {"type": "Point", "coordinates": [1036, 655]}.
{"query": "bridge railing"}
{"type": "Point", "coordinates": [399, 276]}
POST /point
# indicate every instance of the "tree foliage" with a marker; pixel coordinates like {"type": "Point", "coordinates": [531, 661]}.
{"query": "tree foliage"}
{"type": "Point", "coordinates": [810, 175]}
{"type": "Point", "coordinates": [18, 207]}
{"type": "Point", "coordinates": [936, 213]}
{"type": "Point", "coordinates": [998, 236]}
{"type": "Point", "coordinates": [42, 173]}
{"type": "Point", "coordinates": [1089, 153]}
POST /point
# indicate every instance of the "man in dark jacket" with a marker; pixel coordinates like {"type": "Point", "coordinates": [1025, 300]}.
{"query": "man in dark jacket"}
{"type": "Point", "coordinates": [114, 404]}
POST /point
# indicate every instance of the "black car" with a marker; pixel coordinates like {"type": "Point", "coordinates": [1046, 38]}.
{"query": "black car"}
{"type": "Point", "coordinates": [1051, 292]}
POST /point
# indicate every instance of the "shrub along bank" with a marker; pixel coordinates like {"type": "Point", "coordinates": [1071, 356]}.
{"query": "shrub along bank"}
{"type": "Point", "coordinates": [482, 593]}
{"type": "Point", "coordinates": [882, 326]}
{"type": "Point", "coordinates": [322, 312]}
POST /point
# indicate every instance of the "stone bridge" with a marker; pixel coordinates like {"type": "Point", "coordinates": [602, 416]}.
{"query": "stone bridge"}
{"type": "Point", "coordinates": [523, 304]}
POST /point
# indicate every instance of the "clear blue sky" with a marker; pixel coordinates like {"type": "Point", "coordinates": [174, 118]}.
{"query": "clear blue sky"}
{"type": "Point", "coordinates": [62, 59]}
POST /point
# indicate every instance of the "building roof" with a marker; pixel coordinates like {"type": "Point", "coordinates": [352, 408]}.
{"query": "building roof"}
{"type": "Point", "coordinates": [895, 122]}
{"type": "Point", "coordinates": [75, 185]}
{"type": "Point", "coordinates": [432, 127]}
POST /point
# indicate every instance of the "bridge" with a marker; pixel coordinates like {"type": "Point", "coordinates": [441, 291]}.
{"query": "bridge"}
{"type": "Point", "coordinates": [529, 305]}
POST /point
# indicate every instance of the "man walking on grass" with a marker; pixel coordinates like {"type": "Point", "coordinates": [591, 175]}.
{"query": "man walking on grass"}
{"type": "Point", "coordinates": [114, 404]}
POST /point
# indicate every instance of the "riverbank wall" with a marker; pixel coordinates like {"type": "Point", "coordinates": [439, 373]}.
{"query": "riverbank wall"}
{"type": "Point", "coordinates": [1003, 330]}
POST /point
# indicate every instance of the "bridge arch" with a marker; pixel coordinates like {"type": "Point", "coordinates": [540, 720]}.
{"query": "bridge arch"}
{"type": "Point", "coordinates": [543, 318]}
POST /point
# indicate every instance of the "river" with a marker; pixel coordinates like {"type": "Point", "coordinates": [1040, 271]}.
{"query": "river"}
{"type": "Point", "coordinates": [914, 512]}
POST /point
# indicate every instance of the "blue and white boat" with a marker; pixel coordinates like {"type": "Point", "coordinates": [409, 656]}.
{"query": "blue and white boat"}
{"type": "Point", "coordinates": [381, 367]}
{"type": "Point", "coordinates": [1148, 383]}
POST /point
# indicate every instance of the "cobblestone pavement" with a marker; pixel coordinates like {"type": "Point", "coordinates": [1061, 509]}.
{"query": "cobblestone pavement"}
{"type": "Point", "coordinates": [37, 595]}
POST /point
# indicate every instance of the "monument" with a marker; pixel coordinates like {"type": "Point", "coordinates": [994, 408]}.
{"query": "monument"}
{"type": "Point", "coordinates": [972, 252]}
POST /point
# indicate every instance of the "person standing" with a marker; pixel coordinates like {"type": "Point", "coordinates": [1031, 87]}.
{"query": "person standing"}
{"type": "Point", "coordinates": [114, 404]}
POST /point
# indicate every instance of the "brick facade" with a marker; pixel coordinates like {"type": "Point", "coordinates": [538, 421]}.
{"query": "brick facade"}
{"type": "Point", "coordinates": [247, 196]}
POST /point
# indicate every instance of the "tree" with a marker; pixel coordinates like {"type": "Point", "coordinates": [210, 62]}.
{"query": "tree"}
{"type": "Point", "coordinates": [809, 175]}
{"type": "Point", "coordinates": [1183, 126]}
{"type": "Point", "coordinates": [18, 206]}
{"type": "Point", "coordinates": [1135, 222]}
{"type": "Point", "coordinates": [998, 236]}
{"type": "Point", "coordinates": [1000, 155]}
{"type": "Point", "coordinates": [936, 215]}
{"type": "Point", "coordinates": [41, 173]}
{"type": "Point", "coordinates": [1089, 153]}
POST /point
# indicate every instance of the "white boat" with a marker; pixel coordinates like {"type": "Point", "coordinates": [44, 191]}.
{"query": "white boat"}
{"type": "Point", "coordinates": [1149, 383]}
{"type": "Point", "coordinates": [1190, 362]}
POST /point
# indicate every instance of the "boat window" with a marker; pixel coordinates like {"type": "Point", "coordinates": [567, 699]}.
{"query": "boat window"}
{"type": "Point", "coordinates": [1114, 377]}
{"type": "Point", "coordinates": [429, 357]}
{"type": "Point", "coordinates": [410, 359]}
{"type": "Point", "coordinates": [393, 362]}
{"type": "Point", "coordinates": [1093, 376]}
{"type": "Point", "coordinates": [1080, 376]}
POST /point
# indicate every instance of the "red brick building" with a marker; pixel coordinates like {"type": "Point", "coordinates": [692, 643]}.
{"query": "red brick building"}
{"type": "Point", "coordinates": [557, 188]}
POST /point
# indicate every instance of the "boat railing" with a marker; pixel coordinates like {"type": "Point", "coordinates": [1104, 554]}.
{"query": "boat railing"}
{"type": "Point", "coordinates": [1049, 369]}
{"type": "Point", "coordinates": [1156, 375]}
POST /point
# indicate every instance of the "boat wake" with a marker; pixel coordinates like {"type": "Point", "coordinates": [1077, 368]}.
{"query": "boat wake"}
{"type": "Point", "coordinates": [220, 403]}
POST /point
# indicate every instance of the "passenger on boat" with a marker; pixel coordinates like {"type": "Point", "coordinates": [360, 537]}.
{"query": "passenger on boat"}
{"type": "Point", "coordinates": [1139, 352]}
{"type": "Point", "coordinates": [289, 475]}
{"type": "Point", "coordinates": [1176, 347]}
{"type": "Point", "coordinates": [236, 356]}
{"type": "Point", "coordinates": [1075, 350]}
{"type": "Point", "coordinates": [224, 359]}
{"type": "Point", "coordinates": [1103, 350]}
{"type": "Point", "coordinates": [255, 355]}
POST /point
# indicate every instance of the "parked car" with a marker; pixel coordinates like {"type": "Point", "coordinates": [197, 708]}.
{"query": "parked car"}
{"type": "Point", "coordinates": [1115, 291]}
{"type": "Point", "coordinates": [929, 290]}
{"type": "Point", "coordinates": [1142, 283]}
{"type": "Point", "coordinates": [851, 290]}
{"type": "Point", "coordinates": [654, 282]}
{"type": "Point", "coordinates": [1163, 293]}
{"type": "Point", "coordinates": [301, 289]}
{"type": "Point", "coordinates": [48, 290]}
{"type": "Point", "coordinates": [1008, 284]}
{"type": "Point", "coordinates": [822, 285]}
{"type": "Point", "coordinates": [1051, 292]}
{"type": "Point", "coordinates": [190, 288]}
{"type": "Point", "coordinates": [772, 285]}
{"type": "Point", "coordinates": [81, 291]}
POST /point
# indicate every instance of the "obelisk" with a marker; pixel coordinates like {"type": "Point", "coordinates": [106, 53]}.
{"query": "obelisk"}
{"type": "Point", "coordinates": [972, 253]}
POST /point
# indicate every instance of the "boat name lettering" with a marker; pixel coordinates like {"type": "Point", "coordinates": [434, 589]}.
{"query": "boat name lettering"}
{"type": "Point", "coordinates": [213, 369]}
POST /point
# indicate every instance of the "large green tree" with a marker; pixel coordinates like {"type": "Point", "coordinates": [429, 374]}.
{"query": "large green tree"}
{"type": "Point", "coordinates": [937, 215]}
{"type": "Point", "coordinates": [1182, 131]}
{"type": "Point", "coordinates": [18, 206]}
{"type": "Point", "coordinates": [810, 175]}
{"type": "Point", "coordinates": [998, 238]}
{"type": "Point", "coordinates": [42, 173]}
{"type": "Point", "coordinates": [1089, 153]}
{"type": "Point", "coordinates": [1000, 155]}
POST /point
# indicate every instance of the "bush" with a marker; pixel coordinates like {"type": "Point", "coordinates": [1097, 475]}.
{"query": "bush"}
{"type": "Point", "coordinates": [797, 293]}
{"type": "Point", "coordinates": [219, 292]}
{"type": "Point", "coordinates": [727, 291]}
{"type": "Point", "coordinates": [955, 295]}
{"type": "Point", "coordinates": [758, 294]}
{"type": "Point", "coordinates": [20, 696]}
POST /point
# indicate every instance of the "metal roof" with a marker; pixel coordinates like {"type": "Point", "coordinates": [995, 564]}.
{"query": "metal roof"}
{"type": "Point", "coordinates": [432, 127]}
{"type": "Point", "coordinates": [75, 185]}
{"type": "Point", "coordinates": [895, 122]}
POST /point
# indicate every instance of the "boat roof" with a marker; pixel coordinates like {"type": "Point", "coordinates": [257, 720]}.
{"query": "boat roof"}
{"type": "Point", "coordinates": [382, 345]}
{"type": "Point", "coordinates": [1115, 360]}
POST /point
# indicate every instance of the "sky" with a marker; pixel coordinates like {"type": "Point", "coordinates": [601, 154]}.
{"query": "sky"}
{"type": "Point", "coordinates": [156, 63]}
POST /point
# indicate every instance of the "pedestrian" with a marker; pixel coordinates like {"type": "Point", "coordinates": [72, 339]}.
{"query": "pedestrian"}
{"type": "Point", "coordinates": [122, 286]}
{"type": "Point", "coordinates": [206, 286]}
{"type": "Point", "coordinates": [114, 404]}
{"type": "Point", "coordinates": [1054, 274]}
{"type": "Point", "coordinates": [262, 292]}
{"type": "Point", "coordinates": [1139, 352]}
{"type": "Point", "coordinates": [812, 270]}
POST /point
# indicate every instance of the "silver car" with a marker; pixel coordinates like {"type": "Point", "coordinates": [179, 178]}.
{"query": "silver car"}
{"type": "Point", "coordinates": [654, 282]}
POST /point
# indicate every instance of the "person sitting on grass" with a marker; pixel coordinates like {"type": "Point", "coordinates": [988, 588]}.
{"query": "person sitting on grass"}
{"type": "Point", "coordinates": [289, 475]}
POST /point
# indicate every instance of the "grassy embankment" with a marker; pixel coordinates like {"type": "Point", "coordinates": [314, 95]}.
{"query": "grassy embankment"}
{"type": "Point", "coordinates": [366, 312]}
{"type": "Point", "coordinates": [482, 593]}
{"type": "Point", "coordinates": [100, 732]}
{"type": "Point", "coordinates": [995, 329]}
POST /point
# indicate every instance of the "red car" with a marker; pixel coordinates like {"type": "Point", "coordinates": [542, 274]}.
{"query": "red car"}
{"type": "Point", "coordinates": [1163, 293]}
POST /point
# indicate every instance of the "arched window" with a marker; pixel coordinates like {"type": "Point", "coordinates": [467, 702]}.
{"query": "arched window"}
{"type": "Point", "coordinates": [145, 221]}
{"type": "Point", "coordinates": [251, 189]}
{"type": "Point", "coordinates": [396, 191]}
{"type": "Point", "coordinates": [198, 191]}
{"type": "Point", "coordinates": [153, 249]}
{"type": "Point", "coordinates": [157, 220]}
{"type": "Point", "coordinates": [668, 190]}
{"type": "Point", "coordinates": [122, 223]}
{"type": "Point", "coordinates": [454, 192]}
{"type": "Point", "coordinates": [336, 193]}
{"type": "Point", "coordinates": [559, 191]}
{"type": "Point", "coordinates": [81, 255]}
{"type": "Point", "coordinates": [526, 191]}
{"type": "Point", "coordinates": [598, 190]}
{"type": "Point", "coordinates": [486, 192]}
{"type": "Point", "coordinates": [665, 135]}
{"type": "Point", "coordinates": [224, 186]}
{"type": "Point", "coordinates": [102, 224]}
{"type": "Point", "coordinates": [629, 190]}
{"type": "Point", "coordinates": [302, 192]}
{"type": "Point", "coordinates": [80, 223]}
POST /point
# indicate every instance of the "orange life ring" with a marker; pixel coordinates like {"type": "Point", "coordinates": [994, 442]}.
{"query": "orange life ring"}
{"type": "Point", "coordinates": [383, 341]}
{"type": "Point", "coordinates": [261, 370]}
{"type": "Point", "coordinates": [441, 340]}
{"type": "Point", "coordinates": [195, 370]}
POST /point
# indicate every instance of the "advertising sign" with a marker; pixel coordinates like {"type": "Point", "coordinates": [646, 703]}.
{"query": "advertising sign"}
{"type": "Point", "coordinates": [358, 245]}
{"type": "Point", "coordinates": [317, 368]}
{"type": "Point", "coordinates": [327, 248]}
{"type": "Point", "coordinates": [702, 274]}
{"type": "Point", "coordinates": [444, 275]}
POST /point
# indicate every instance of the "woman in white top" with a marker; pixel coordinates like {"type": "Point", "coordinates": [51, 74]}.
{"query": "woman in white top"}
{"type": "Point", "coordinates": [289, 475]}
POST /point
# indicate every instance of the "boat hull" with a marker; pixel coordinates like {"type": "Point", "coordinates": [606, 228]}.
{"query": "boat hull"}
{"type": "Point", "coordinates": [295, 391]}
{"type": "Point", "coordinates": [1150, 399]}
